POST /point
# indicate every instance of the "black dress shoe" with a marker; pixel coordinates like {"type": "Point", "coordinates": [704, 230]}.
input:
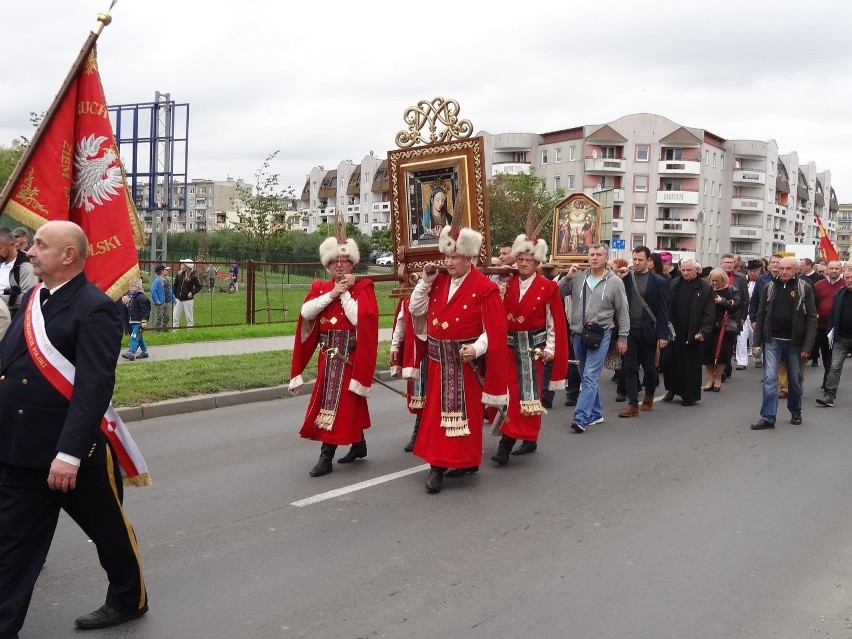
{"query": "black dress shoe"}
{"type": "Point", "coordinates": [796, 418]}
{"type": "Point", "coordinates": [621, 398]}
{"type": "Point", "coordinates": [762, 425]}
{"type": "Point", "coordinates": [106, 617]}
{"type": "Point", "coordinates": [358, 451]}
{"type": "Point", "coordinates": [525, 447]}
{"type": "Point", "coordinates": [547, 403]}
{"type": "Point", "coordinates": [436, 480]}
{"type": "Point", "coordinates": [458, 472]}
{"type": "Point", "coordinates": [686, 403]}
{"type": "Point", "coordinates": [669, 396]}
{"type": "Point", "coordinates": [571, 401]}
{"type": "Point", "coordinates": [322, 467]}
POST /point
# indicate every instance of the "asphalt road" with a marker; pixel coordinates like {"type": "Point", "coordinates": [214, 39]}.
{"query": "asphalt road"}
{"type": "Point", "coordinates": [680, 523]}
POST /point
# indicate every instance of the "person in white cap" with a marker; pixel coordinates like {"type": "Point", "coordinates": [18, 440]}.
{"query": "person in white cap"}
{"type": "Point", "coordinates": [341, 316]}
{"type": "Point", "coordinates": [537, 334]}
{"type": "Point", "coordinates": [187, 286]}
{"type": "Point", "coordinates": [462, 315]}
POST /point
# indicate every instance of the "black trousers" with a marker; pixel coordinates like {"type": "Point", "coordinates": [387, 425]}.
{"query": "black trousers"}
{"type": "Point", "coordinates": [29, 512]}
{"type": "Point", "coordinates": [639, 353]}
{"type": "Point", "coordinates": [824, 349]}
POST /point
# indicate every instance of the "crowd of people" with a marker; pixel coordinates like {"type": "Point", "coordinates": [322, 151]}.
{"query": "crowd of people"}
{"type": "Point", "coordinates": [491, 352]}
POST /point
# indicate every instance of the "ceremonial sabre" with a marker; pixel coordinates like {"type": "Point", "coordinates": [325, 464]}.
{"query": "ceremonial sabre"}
{"type": "Point", "coordinates": [333, 352]}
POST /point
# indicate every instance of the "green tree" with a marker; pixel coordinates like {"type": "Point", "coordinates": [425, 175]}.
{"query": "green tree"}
{"type": "Point", "coordinates": [9, 157]}
{"type": "Point", "coordinates": [261, 208]}
{"type": "Point", "coordinates": [383, 240]}
{"type": "Point", "coordinates": [511, 198]}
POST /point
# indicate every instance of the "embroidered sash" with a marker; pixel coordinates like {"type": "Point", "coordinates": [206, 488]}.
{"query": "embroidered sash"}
{"type": "Point", "coordinates": [344, 342]}
{"type": "Point", "coordinates": [529, 391]}
{"type": "Point", "coordinates": [453, 411]}
{"type": "Point", "coordinates": [418, 387]}
{"type": "Point", "coordinates": [60, 373]}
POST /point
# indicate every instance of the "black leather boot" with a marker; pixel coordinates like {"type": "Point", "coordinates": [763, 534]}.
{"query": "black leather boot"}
{"type": "Point", "coordinates": [526, 447]}
{"type": "Point", "coordinates": [358, 451]}
{"type": "Point", "coordinates": [324, 466]}
{"type": "Point", "coordinates": [503, 450]}
{"type": "Point", "coordinates": [436, 479]}
{"type": "Point", "coordinates": [409, 447]}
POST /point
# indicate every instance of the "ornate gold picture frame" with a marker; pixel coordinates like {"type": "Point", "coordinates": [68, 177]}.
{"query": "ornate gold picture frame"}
{"type": "Point", "coordinates": [429, 186]}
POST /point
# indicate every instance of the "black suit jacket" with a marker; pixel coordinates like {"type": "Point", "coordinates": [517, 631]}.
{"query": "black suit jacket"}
{"type": "Point", "coordinates": [702, 315]}
{"type": "Point", "coordinates": [36, 421]}
{"type": "Point", "coordinates": [656, 296]}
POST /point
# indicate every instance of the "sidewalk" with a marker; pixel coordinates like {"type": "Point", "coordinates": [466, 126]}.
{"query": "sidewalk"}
{"type": "Point", "coordinates": [233, 398]}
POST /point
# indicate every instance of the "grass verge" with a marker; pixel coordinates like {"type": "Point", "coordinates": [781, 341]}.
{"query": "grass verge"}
{"type": "Point", "coordinates": [145, 382]}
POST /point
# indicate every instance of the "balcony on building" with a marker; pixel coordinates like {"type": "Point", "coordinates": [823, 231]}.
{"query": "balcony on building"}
{"type": "Point", "coordinates": [510, 168]}
{"type": "Point", "coordinates": [617, 225]}
{"type": "Point", "coordinates": [747, 204]}
{"type": "Point", "coordinates": [683, 197]}
{"type": "Point", "coordinates": [618, 196]}
{"type": "Point", "coordinates": [605, 166]}
{"type": "Point", "coordinates": [681, 228]}
{"type": "Point", "coordinates": [819, 199]}
{"type": "Point", "coordinates": [746, 232]}
{"type": "Point", "coordinates": [679, 167]}
{"type": "Point", "coordinates": [749, 176]}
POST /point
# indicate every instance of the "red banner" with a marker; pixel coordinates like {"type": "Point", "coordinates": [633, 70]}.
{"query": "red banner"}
{"type": "Point", "coordinates": [75, 174]}
{"type": "Point", "coordinates": [826, 248]}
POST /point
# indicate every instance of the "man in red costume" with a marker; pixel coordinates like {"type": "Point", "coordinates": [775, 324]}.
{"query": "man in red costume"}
{"type": "Point", "coordinates": [407, 360]}
{"type": "Point", "coordinates": [342, 317]}
{"type": "Point", "coordinates": [532, 302]}
{"type": "Point", "coordinates": [463, 317]}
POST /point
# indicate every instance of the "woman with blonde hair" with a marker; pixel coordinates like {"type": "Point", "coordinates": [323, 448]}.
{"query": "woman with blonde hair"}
{"type": "Point", "coordinates": [719, 346]}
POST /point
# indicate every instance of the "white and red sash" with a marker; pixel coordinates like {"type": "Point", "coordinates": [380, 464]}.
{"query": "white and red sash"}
{"type": "Point", "coordinates": [60, 373]}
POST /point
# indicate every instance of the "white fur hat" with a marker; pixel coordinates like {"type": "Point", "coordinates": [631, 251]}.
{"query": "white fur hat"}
{"type": "Point", "coordinates": [331, 249]}
{"type": "Point", "coordinates": [464, 241]}
{"type": "Point", "coordinates": [538, 248]}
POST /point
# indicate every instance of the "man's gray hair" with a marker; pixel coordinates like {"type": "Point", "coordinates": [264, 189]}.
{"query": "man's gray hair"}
{"type": "Point", "coordinates": [600, 246]}
{"type": "Point", "coordinates": [690, 260]}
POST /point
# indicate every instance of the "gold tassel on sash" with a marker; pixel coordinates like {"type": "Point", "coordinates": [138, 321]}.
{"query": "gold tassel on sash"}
{"type": "Point", "coordinates": [416, 402]}
{"type": "Point", "coordinates": [532, 407]}
{"type": "Point", "coordinates": [324, 419]}
{"type": "Point", "coordinates": [454, 424]}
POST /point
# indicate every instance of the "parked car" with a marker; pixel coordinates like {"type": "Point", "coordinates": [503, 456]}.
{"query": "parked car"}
{"type": "Point", "coordinates": [385, 260]}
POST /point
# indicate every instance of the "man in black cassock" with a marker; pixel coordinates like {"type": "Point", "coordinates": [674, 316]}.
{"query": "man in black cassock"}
{"type": "Point", "coordinates": [692, 314]}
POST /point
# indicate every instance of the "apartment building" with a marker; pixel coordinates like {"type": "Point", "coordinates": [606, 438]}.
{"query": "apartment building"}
{"type": "Point", "coordinates": [844, 230]}
{"type": "Point", "coordinates": [674, 188]}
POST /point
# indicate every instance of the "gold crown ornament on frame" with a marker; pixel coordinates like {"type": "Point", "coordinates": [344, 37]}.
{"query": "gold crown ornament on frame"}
{"type": "Point", "coordinates": [432, 114]}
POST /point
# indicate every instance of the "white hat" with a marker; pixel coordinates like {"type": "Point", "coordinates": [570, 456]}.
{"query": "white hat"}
{"type": "Point", "coordinates": [538, 248]}
{"type": "Point", "coordinates": [332, 248]}
{"type": "Point", "coordinates": [464, 241]}
{"type": "Point", "coordinates": [189, 263]}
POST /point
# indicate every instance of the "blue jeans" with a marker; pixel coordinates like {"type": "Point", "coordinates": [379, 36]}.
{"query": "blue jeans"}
{"type": "Point", "coordinates": [589, 407]}
{"type": "Point", "coordinates": [774, 352]}
{"type": "Point", "coordinates": [136, 339]}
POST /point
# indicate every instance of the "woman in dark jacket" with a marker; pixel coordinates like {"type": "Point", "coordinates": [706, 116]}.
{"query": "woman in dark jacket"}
{"type": "Point", "coordinates": [727, 302]}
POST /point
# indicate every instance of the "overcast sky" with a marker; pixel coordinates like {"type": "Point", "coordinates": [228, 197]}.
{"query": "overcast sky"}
{"type": "Point", "coordinates": [328, 81]}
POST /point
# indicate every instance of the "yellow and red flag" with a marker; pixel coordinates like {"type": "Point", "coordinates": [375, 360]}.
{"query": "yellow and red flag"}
{"type": "Point", "coordinates": [826, 248]}
{"type": "Point", "coordinates": [74, 173]}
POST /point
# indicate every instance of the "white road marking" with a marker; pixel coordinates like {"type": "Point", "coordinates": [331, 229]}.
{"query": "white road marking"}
{"type": "Point", "coordinates": [331, 494]}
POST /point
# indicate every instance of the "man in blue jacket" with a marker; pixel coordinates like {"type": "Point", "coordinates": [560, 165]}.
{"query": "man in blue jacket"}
{"type": "Point", "coordinates": [161, 297]}
{"type": "Point", "coordinates": [647, 303]}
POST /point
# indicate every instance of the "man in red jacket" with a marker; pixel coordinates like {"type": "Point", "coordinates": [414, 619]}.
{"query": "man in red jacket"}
{"type": "Point", "coordinates": [824, 291]}
{"type": "Point", "coordinates": [463, 317]}
{"type": "Point", "coordinates": [537, 335]}
{"type": "Point", "coordinates": [340, 316]}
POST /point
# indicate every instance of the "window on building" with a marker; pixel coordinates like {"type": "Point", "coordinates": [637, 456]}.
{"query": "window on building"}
{"type": "Point", "coordinates": [643, 152]}
{"type": "Point", "coordinates": [558, 157]}
{"type": "Point", "coordinates": [637, 239]}
{"type": "Point", "coordinates": [572, 153]}
{"type": "Point", "coordinates": [713, 189]}
{"type": "Point", "coordinates": [674, 154]}
{"type": "Point", "coordinates": [714, 160]}
{"type": "Point", "coordinates": [544, 156]}
{"type": "Point", "coordinates": [557, 182]}
{"type": "Point", "coordinates": [640, 183]}
{"type": "Point", "coordinates": [609, 152]}
{"type": "Point", "coordinates": [640, 213]}
{"type": "Point", "coordinates": [722, 162]}
{"type": "Point", "coordinates": [571, 183]}
{"type": "Point", "coordinates": [705, 186]}
{"type": "Point", "coordinates": [707, 159]}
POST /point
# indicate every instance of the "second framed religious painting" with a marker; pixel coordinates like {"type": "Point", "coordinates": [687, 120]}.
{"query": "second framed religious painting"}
{"type": "Point", "coordinates": [576, 226]}
{"type": "Point", "coordinates": [430, 187]}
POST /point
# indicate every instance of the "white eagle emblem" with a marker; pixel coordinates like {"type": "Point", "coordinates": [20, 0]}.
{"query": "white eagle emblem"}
{"type": "Point", "coordinates": [97, 174]}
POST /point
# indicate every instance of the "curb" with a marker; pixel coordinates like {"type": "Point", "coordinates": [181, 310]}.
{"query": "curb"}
{"type": "Point", "coordinates": [195, 403]}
